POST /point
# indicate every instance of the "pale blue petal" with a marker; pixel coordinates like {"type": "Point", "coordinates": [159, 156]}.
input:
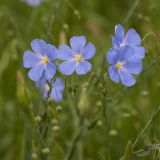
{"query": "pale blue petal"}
{"type": "Point", "coordinates": [83, 67]}
{"type": "Point", "coordinates": [113, 74]}
{"type": "Point", "coordinates": [36, 72]}
{"type": "Point", "coordinates": [58, 84]}
{"type": "Point", "coordinates": [119, 31]}
{"type": "Point", "coordinates": [50, 70]}
{"type": "Point", "coordinates": [65, 53]}
{"type": "Point", "coordinates": [112, 56]}
{"type": "Point", "coordinates": [51, 52]}
{"type": "Point", "coordinates": [39, 46]}
{"type": "Point", "coordinates": [126, 53]}
{"type": "Point", "coordinates": [89, 51]}
{"type": "Point", "coordinates": [56, 94]}
{"type": "Point", "coordinates": [67, 67]}
{"type": "Point", "coordinates": [115, 42]}
{"type": "Point", "coordinates": [139, 52]}
{"type": "Point", "coordinates": [127, 79]}
{"type": "Point", "coordinates": [78, 43]}
{"type": "Point", "coordinates": [30, 59]}
{"type": "Point", "coordinates": [132, 37]}
{"type": "Point", "coordinates": [134, 66]}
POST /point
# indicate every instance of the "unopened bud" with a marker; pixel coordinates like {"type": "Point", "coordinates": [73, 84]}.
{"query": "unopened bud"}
{"type": "Point", "coordinates": [45, 150]}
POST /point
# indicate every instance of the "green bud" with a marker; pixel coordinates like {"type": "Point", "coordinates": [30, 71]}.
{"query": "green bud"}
{"type": "Point", "coordinates": [45, 150]}
{"type": "Point", "coordinates": [55, 128]}
{"type": "Point", "coordinates": [113, 132]}
{"type": "Point", "coordinates": [34, 156]}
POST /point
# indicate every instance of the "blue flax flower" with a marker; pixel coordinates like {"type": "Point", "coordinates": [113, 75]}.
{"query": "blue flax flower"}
{"type": "Point", "coordinates": [123, 65]}
{"type": "Point", "coordinates": [40, 62]}
{"type": "Point", "coordinates": [131, 38]}
{"type": "Point", "coordinates": [56, 90]}
{"type": "Point", "coordinates": [75, 58]}
{"type": "Point", "coordinates": [34, 2]}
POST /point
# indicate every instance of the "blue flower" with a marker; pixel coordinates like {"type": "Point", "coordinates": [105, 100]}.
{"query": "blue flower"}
{"type": "Point", "coordinates": [75, 58]}
{"type": "Point", "coordinates": [34, 2]}
{"type": "Point", "coordinates": [56, 90]}
{"type": "Point", "coordinates": [40, 62]}
{"type": "Point", "coordinates": [123, 65]}
{"type": "Point", "coordinates": [43, 86]}
{"type": "Point", "coordinates": [131, 38]}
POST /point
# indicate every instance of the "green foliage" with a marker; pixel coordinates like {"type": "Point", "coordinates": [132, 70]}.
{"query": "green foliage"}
{"type": "Point", "coordinates": [97, 119]}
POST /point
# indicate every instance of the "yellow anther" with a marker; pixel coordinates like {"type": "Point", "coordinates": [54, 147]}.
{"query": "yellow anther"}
{"type": "Point", "coordinates": [118, 66]}
{"type": "Point", "coordinates": [78, 58]}
{"type": "Point", "coordinates": [45, 60]}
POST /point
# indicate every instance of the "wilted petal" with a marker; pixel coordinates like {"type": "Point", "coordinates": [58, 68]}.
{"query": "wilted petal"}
{"type": "Point", "coordinates": [58, 84]}
{"type": "Point", "coordinates": [56, 94]}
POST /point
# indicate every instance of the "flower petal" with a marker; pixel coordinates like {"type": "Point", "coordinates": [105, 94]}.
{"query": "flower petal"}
{"type": "Point", "coordinates": [65, 53]}
{"type": "Point", "coordinates": [36, 72]}
{"type": "Point", "coordinates": [126, 53]}
{"type": "Point", "coordinates": [132, 37]}
{"type": "Point", "coordinates": [127, 79]}
{"type": "Point", "coordinates": [139, 52]}
{"type": "Point", "coordinates": [58, 84]}
{"type": "Point", "coordinates": [115, 42]}
{"type": "Point", "coordinates": [30, 59]}
{"type": "Point", "coordinates": [56, 95]}
{"type": "Point", "coordinates": [51, 52]}
{"type": "Point", "coordinates": [89, 51]}
{"type": "Point", "coordinates": [39, 46]}
{"type": "Point", "coordinates": [113, 74]}
{"type": "Point", "coordinates": [83, 67]}
{"type": "Point", "coordinates": [78, 43]}
{"type": "Point", "coordinates": [134, 66]}
{"type": "Point", "coordinates": [119, 31]}
{"type": "Point", "coordinates": [50, 70]}
{"type": "Point", "coordinates": [67, 67]}
{"type": "Point", "coordinates": [112, 56]}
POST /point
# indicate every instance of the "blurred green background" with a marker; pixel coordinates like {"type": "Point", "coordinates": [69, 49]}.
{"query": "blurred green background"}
{"type": "Point", "coordinates": [103, 121]}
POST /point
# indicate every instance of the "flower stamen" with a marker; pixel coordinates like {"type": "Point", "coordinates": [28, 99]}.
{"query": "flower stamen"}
{"type": "Point", "coordinates": [118, 66]}
{"type": "Point", "coordinates": [78, 58]}
{"type": "Point", "coordinates": [45, 60]}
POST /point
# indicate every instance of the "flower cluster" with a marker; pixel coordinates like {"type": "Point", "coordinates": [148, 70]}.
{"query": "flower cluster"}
{"type": "Point", "coordinates": [125, 57]}
{"type": "Point", "coordinates": [41, 62]}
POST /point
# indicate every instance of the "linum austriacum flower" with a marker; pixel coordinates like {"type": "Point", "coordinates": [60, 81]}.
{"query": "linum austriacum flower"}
{"type": "Point", "coordinates": [131, 38]}
{"type": "Point", "coordinates": [56, 90]}
{"type": "Point", "coordinates": [123, 63]}
{"type": "Point", "coordinates": [40, 62]}
{"type": "Point", "coordinates": [34, 2]}
{"type": "Point", "coordinates": [75, 58]}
